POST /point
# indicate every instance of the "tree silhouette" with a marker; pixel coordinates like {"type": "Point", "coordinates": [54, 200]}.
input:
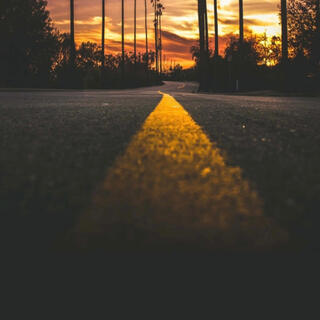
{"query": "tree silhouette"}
{"type": "Point", "coordinates": [29, 44]}
{"type": "Point", "coordinates": [303, 28]}
{"type": "Point", "coordinates": [158, 10]}
{"type": "Point", "coordinates": [34, 54]}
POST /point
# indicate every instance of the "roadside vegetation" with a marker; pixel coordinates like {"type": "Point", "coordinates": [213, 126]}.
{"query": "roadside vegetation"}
{"type": "Point", "coordinates": [34, 54]}
{"type": "Point", "coordinates": [254, 62]}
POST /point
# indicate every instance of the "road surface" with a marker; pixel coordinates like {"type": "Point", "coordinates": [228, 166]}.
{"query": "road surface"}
{"type": "Point", "coordinates": [160, 168]}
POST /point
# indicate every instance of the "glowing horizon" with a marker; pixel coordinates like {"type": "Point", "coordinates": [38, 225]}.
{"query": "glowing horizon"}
{"type": "Point", "coordinates": [180, 23]}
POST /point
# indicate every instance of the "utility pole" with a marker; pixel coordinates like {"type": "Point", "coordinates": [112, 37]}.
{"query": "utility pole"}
{"type": "Point", "coordinates": [318, 17]}
{"type": "Point", "coordinates": [103, 36]}
{"type": "Point", "coordinates": [135, 32]}
{"type": "Point", "coordinates": [73, 46]}
{"type": "Point", "coordinates": [239, 82]}
{"type": "Point", "coordinates": [204, 44]}
{"type": "Point", "coordinates": [284, 41]}
{"type": "Point", "coordinates": [206, 28]}
{"type": "Point", "coordinates": [241, 22]}
{"type": "Point", "coordinates": [160, 41]}
{"type": "Point", "coordinates": [216, 28]}
{"type": "Point", "coordinates": [155, 2]}
{"type": "Point", "coordinates": [318, 32]}
{"type": "Point", "coordinates": [284, 31]}
{"type": "Point", "coordinates": [122, 40]}
{"type": "Point", "coordinates": [216, 44]}
{"type": "Point", "coordinates": [146, 30]}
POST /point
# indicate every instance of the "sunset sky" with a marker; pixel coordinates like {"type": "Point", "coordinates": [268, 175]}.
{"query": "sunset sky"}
{"type": "Point", "coordinates": [180, 23]}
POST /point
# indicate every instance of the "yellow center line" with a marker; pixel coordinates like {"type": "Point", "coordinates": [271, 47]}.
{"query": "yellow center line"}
{"type": "Point", "coordinates": [172, 186]}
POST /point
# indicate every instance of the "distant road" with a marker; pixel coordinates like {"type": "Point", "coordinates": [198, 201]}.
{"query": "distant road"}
{"type": "Point", "coordinates": [158, 168]}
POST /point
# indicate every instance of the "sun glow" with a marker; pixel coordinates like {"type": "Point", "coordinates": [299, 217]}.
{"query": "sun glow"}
{"type": "Point", "coordinates": [180, 23]}
{"type": "Point", "coordinates": [225, 2]}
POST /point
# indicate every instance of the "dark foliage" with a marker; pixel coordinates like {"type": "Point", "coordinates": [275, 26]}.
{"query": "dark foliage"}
{"type": "Point", "coordinates": [304, 44]}
{"type": "Point", "coordinates": [177, 73]}
{"type": "Point", "coordinates": [303, 28]}
{"type": "Point", "coordinates": [34, 54]}
{"type": "Point", "coordinates": [256, 62]}
{"type": "Point", "coordinates": [242, 67]}
{"type": "Point", "coordinates": [29, 44]}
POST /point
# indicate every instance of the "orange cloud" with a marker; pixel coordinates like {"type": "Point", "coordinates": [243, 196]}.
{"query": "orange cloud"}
{"type": "Point", "coordinates": [180, 24]}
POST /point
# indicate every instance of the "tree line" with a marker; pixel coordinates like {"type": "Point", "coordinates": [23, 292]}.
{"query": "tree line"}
{"type": "Point", "coordinates": [290, 62]}
{"type": "Point", "coordinates": [35, 54]}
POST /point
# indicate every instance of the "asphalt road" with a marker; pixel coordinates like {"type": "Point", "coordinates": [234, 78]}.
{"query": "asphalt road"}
{"type": "Point", "coordinates": [59, 149]}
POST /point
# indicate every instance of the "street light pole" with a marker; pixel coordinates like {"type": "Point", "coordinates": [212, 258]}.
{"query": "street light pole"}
{"type": "Point", "coordinates": [103, 36]}
{"type": "Point", "coordinates": [284, 31]}
{"type": "Point", "coordinates": [135, 31]}
{"type": "Point", "coordinates": [122, 41]}
{"type": "Point", "coordinates": [146, 30]}
{"type": "Point", "coordinates": [241, 22]}
{"type": "Point", "coordinates": [73, 47]}
{"type": "Point", "coordinates": [203, 43]}
{"type": "Point", "coordinates": [216, 30]}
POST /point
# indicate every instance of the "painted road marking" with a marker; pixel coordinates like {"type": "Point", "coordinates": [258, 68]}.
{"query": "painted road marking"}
{"type": "Point", "coordinates": [172, 186]}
